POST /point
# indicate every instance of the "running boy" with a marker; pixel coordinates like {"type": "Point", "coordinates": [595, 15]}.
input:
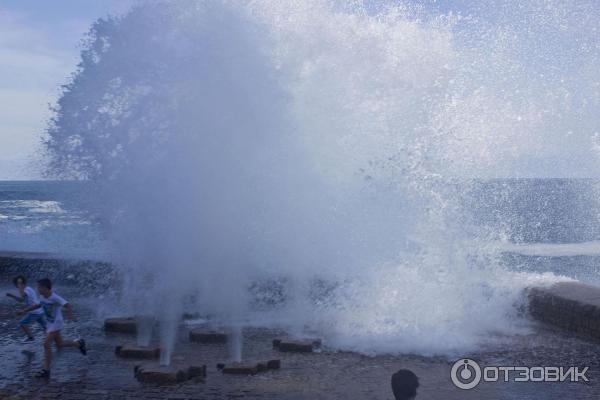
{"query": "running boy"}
{"type": "Point", "coordinates": [28, 296]}
{"type": "Point", "coordinates": [52, 304]}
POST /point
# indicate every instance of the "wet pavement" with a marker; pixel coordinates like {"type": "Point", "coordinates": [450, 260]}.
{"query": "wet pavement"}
{"type": "Point", "coordinates": [325, 375]}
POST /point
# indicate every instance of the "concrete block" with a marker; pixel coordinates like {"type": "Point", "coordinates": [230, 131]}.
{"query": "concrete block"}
{"type": "Point", "coordinates": [297, 346]}
{"type": "Point", "coordinates": [249, 368]}
{"type": "Point", "coordinates": [121, 325]}
{"type": "Point", "coordinates": [572, 306]}
{"type": "Point", "coordinates": [137, 352]}
{"type": "Point", "coordinates": [159, 374]}
{"type": "Point", "coordinates": [200, 335]}
{"type": "Point", "coordinates": [240, 369]}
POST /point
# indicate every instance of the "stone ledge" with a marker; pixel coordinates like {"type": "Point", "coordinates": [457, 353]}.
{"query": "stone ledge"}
{"type": "Point", "coordinates": [168, 375]}
{"type": "Point", "coordinates": [200, 335]}
{"type": "Point", "coordinates": [572, 306]}
{"type": "Point", "coordinates": [129, 325]}
{"type": "Point", "coordinates": [137, 352]}
{"type": "Point", "coordinates": [121, 325]}
{"type": "Point", "coordinates": [249, 368]}
{"type": "Point", "coordinates": [297, 346]}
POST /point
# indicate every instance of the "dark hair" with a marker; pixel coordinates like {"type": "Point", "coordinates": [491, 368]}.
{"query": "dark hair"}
{"type": "Point", "coordinates": [404, 384]}
{"type": "Point", "coordinates": [47, 283]}
{"type": "Point", "coordinates": [18, 278]}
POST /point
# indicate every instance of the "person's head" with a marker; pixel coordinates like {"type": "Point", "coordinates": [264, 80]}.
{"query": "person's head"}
{"type": "Point", "coordinates": [404, 385]}
{"type": "Point", "coordinates": [45, 287]}
{"type": "Point", "coordinates": [20, 282]}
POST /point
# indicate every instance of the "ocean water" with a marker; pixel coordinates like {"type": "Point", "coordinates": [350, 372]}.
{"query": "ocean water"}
{"type": "Point", "coordinates": [533, 219]}
{"type": "Point", "coordinates": [46, 217]}
{"type": "Point", "coordinates": [549, 230]}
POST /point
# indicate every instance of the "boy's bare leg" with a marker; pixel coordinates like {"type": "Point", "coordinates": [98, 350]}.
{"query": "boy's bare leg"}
{"type": "Point", "coordinates": [50, 337]}
{"type": "Point", "coordinates": [60, 343]}
{"type": "Point", "coordinates": [25, 329]}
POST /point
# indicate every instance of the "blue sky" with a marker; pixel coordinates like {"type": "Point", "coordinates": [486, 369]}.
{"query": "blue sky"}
{"type": "Point", "coordinates": [39, 48]}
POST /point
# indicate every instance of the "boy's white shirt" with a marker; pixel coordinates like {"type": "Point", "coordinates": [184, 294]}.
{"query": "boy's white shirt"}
{"type": "Point", "coordinates": [52, 307]}
{"type": "Point", "coordinates": [30, 298]}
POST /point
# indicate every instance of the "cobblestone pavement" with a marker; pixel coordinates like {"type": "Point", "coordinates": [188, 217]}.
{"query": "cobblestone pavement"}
{"type": "Point", "coordinates": [325, 375]}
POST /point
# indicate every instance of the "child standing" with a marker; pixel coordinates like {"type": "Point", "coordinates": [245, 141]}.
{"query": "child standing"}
{"type": "Point", "coordinates": [52, 304]}
{"type": "Point", "coordinates": [28, 296]}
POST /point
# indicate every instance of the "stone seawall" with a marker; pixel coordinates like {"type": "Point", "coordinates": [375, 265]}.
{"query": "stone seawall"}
{"type": "Point", "coordinates": [572, 306]}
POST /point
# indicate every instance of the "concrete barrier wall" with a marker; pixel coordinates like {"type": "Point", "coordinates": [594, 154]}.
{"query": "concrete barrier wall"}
{"type": "Point", "coordinates": [572, 306]}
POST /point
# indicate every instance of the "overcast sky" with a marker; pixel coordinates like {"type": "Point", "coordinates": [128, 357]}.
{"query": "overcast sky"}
{"type": "Point", "coordinates": [39, 48]}
{"type": "Point", "coordinates": [40, 44]}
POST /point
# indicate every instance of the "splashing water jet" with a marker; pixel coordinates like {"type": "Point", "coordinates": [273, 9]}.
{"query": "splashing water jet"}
{"type": "Point", "coordinates": [323, 151]}
{"type": "Point", "coordinates": [235, 348]}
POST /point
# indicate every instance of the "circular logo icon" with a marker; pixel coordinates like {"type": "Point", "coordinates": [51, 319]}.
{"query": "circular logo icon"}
{"type": "Point", "coordinates": [465, 374]}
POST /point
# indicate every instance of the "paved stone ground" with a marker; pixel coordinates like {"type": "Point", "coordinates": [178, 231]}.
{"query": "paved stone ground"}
{"type": "Point", "coordinates": [326, 375]}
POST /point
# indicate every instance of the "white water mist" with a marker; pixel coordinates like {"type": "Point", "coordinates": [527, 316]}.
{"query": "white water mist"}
{"type": "Point", "coordinates": [324, 148]}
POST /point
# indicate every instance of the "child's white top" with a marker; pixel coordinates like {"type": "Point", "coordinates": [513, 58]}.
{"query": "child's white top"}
{"type": "Point", "coordinates": [52, 309]}
{"type": "Point", "coordinates": [30, 298]}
